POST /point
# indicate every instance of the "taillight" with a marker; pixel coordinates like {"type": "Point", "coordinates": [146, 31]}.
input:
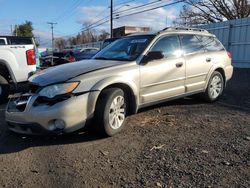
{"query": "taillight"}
{"type": "Point", "coordinates": [229, 55]}
{"type": "Point", "coordinates": [72, 59]}
{"type": "Point", "coordinates": [31, 57]}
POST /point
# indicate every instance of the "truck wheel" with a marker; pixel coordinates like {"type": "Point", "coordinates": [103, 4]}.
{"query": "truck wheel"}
{"type": "Point", "coordinates": [111, 111]}
{"type": "Point", "coordinates": [215, 87]}
{"type": "Point", "coordinates": [4, 89]}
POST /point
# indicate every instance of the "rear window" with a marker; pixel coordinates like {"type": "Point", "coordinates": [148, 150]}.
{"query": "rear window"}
{"type": "Point", "coordinates": [20, 41]}
{"type": "Point", "coordinates": [191, 44]}
{"type": "Point", "coordinates": [210, 43]}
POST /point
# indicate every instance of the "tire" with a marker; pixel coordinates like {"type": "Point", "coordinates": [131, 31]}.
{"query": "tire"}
{"type": "Point", "coordinates": [4, 89]}
{"type": "Point", "coordinates": [111, 111]}
{"type": "Point", "coordinates": [215, 87]}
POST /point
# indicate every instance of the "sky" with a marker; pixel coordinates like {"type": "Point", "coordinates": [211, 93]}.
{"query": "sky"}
{"type": "Point", "coordinates": [72, 15]}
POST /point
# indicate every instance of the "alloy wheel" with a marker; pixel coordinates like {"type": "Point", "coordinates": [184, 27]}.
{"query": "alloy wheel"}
{"type": "Point", "coordinates": [215, 87]}
{"type": "Point", "coordinates": [117, 112]}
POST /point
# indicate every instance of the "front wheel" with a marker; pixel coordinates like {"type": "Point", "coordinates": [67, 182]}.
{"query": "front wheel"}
{"type": "Point", "coordinates": [111, 111]}
{"type": "Point", "coordinates": [215, 87]}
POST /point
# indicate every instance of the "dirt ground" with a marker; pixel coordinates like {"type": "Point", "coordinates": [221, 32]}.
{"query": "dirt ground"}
{"type": "Point", "coordinates": [183, 143]}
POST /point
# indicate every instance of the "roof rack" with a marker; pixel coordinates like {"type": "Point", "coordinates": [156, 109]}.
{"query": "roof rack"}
{"type": "Point", "coordinates": [184, 28]}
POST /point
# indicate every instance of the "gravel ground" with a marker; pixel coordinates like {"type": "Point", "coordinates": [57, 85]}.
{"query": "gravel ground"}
{"type": "Point", "coordinates": [183, 143]}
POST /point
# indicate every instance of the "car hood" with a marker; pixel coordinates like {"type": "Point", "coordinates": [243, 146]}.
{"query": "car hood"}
{"type": "Point", "coordinates": [65, 72]}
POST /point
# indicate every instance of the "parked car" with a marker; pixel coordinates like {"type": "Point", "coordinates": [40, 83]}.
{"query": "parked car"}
{"type": "Point", "coordinates": [17, 62]}
{"type": "Point", "coordinates": [88, 49]}
{"type": "Point", "coordinates": [85, 54]}
{"type": "Point", "coordinates": [59, 58]}
{"type": "Point", "coordinates": [136, 71]}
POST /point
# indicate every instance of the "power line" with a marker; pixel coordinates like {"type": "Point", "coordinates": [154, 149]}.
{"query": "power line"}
{"type": "Point", "coordinates": [114, 11]}
{"type": "Point", "coordinates": [130, 14]}
{"type": "Point", "coordinates": [105, 19]}
{"type": "Point", "coordinates": [88, 28]}
{"type": "Point", "coordinates": [93, 23]}
{"type": "Point", "coordinates": [141, 6]}
{"type": "Point", "coordinates": [125, 2]}
{"type": "Point", "coordinates": [96, 22]}
{"type": "Point", "coordinates": [62, 15]}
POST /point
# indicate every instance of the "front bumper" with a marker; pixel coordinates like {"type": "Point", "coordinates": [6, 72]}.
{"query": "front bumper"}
{"type": "Point", "coordinates": [39, 119]}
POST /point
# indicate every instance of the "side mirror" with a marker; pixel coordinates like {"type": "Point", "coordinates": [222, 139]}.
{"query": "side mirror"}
{"type": "Point", "coordinates": [155, 55]}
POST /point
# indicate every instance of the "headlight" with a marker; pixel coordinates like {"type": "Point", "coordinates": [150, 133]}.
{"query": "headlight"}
{"type": "Point", "coordinates": [58, 89]}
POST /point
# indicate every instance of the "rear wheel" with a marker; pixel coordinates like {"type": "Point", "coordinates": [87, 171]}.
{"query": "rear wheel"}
{"type": "Point", "coordinates": [4, 89]}
{"type": "Point", "coordinates": [215, 87]}
{"type": "Point", "coordinates": [111, 111]}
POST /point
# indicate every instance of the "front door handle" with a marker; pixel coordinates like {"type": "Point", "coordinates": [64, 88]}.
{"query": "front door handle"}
{"type": "Point", "coordinates": [178, 65]}
{"type": "Point", "coordinates": [208, 59]}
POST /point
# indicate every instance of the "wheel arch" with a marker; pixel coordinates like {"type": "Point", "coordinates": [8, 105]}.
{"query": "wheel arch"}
{"type": "Point", "coordinates": [220, 69]}
{"type": "Point", "coordinates": [129, 94]}
{"type": "Point", "coordinates": [6, 71]}
{"type": "Point", "coordinates": [128, 88]}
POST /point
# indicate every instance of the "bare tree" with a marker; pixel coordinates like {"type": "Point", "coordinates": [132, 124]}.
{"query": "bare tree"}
{"type": "Point", "coordinates": [60, 43]}
{"type": "Point", "coordinates": [103, 35]}
{"type": "Point", "coordinates": [211, 11]}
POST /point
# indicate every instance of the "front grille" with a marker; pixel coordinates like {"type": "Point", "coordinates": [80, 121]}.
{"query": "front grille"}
{"type": "Point", "coordinates": [18, 104]}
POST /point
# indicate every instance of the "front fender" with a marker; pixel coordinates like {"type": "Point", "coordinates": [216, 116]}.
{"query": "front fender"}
{"type": "Point", "coordinates": [102, 84]}
{"type": "Point", "coordinates": [115, 80]}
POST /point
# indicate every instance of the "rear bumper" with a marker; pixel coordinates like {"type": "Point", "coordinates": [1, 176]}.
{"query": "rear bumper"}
{"type": "Point", "coordinates": [40, 119]}
{"type": "Point", "coordinates": [228, 72]}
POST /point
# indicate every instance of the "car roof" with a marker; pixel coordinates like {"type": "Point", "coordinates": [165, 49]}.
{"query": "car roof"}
{"type": "Point", "coordinates": [176, 30]}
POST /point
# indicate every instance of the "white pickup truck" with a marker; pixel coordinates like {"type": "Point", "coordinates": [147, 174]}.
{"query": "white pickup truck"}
{"type": "Point", "coordinates": [17, 62]}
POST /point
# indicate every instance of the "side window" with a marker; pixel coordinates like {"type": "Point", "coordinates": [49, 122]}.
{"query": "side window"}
{"type": "Point", "coordinates": [211, 44]}
{"type": "Point", "coordinates": [191, 44]}
{"type": "Point", "coordinates": [2, 42]}
{"type": "Point", "coordinates": [170, 46]}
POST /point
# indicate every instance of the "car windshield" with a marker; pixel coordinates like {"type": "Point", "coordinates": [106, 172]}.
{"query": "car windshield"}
{"type": "Point", "coordinates": [125, 49]}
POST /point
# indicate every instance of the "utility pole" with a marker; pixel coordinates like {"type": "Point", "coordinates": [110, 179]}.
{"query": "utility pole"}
{"type": "Point", "coordinates": [52, 39]}
{"type": "Point", "coordinates": [111, 18]}
{"type": "Point", "coordinates": [11, 31]}
{"type": "Point", "coordinates": [16, 29]}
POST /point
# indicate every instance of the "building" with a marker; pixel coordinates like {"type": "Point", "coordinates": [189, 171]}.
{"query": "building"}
{"type": "Point", "coordinates": [125, 30]}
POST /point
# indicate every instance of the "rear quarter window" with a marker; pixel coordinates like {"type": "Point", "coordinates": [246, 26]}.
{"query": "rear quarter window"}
{"type": "Point", "coordinates": [211, 44]}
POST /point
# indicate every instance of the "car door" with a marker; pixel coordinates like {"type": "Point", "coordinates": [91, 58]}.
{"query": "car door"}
{"type": "Point", "coordinates": [163, 78]}
{"type": "Point", "coordinates": [198, 62]}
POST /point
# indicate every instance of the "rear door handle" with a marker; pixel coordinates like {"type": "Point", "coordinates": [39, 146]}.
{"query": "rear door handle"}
{"type": "Point", "coordinates": [208, 59]}
{"type": "Point", "coordinates": [178, 65]}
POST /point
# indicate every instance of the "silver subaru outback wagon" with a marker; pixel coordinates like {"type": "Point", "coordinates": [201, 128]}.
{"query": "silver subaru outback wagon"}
{"type": "Point", "coordinates": [136, 71]}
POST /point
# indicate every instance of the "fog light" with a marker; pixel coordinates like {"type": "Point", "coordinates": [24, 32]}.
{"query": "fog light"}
{"type": "Point", "coordinates": [51, 126]}
{"type": "Point", "coordinates": [59, 124]}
